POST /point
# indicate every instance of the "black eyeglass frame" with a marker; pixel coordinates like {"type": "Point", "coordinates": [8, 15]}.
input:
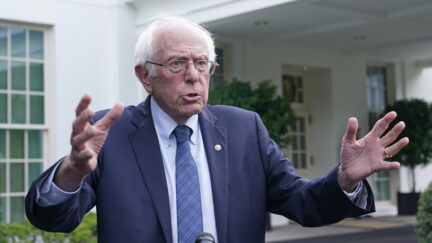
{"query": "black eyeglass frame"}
{"type": "Point", "coordinates": [212, 69]}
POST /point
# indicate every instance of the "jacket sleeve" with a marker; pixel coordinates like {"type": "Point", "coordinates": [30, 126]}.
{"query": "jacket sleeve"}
{"type": "Point", "coordinates": [64, 217]}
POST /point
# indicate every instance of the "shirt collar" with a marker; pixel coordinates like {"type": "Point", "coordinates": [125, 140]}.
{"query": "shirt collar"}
{"type": "Point", "coordinates": [165, 125]}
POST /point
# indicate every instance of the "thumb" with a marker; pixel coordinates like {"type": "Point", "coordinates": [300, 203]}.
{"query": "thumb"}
{"type": "Point", "coordinates": [351, 131]}
{"type": "Point", "coordinates": [108, 120]}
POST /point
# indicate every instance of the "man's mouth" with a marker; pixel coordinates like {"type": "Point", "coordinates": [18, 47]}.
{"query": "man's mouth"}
{"type": "Point", "coordinates": [191, 96]}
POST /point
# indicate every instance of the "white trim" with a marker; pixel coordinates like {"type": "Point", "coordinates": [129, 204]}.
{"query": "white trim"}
{"type": "Point", "coordinates": [26, 127]}
{"type": "Point", "coordinates": [49, 105]}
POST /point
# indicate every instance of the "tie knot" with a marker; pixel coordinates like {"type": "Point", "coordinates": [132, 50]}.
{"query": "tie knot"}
{"type": "Point", "coordinates": [182, 133]}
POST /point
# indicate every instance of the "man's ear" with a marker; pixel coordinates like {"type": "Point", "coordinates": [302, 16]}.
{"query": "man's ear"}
{"type": "Point", "coordinates": [144, 77]}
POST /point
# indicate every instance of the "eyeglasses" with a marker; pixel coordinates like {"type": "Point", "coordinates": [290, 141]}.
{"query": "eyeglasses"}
{"type": "Point", "coordinates": [204, 67]}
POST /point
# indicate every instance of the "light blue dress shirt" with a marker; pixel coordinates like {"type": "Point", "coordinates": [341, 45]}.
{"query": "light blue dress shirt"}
{"type": "Point", "coordinates": [164, 126]}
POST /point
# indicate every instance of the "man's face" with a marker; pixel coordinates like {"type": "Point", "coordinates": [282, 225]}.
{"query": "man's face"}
{"type": "Point", "coordinates": [185, 94]}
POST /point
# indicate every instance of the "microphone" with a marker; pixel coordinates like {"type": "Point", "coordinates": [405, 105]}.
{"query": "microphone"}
{"type": "Point", "coordinates": [205, 237]}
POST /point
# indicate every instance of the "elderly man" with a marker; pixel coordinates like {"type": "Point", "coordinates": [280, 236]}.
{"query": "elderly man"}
{"type": "Point", "coordinates": [173, 166]}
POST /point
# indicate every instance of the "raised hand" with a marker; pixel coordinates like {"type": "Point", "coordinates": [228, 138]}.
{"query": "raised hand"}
{"type": "Point", "coordinates": [86, 141]}
{"type": "Point", "coordinates": [361, 158]}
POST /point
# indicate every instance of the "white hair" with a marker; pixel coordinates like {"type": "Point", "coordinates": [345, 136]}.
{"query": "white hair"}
{"type": "Point", "coordinates": [144, 46]}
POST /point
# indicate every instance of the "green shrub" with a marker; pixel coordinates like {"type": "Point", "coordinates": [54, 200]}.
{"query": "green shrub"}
{"type": "Point", "coordinates": [417, 115]}
{"type": "Point", "coordinates": [424, 216]}
{"type": "Point", "coordinates": [25, 232]}
{"type": "Point", "coordinates": [86, 232]}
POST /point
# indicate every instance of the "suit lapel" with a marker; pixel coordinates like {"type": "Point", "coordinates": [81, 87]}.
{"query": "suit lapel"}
{"type": "Point", "coordinates": [215, 143]}
{"type": "Point", "coordinates": [147, 151]}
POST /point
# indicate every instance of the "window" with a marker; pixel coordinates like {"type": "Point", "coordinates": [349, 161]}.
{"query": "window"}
{"type": "Point", "coordinates": [22, 115]}
{"type": "Point", "coordinates": [293, 92]}
{"type": "Point", "coordinates": [376, 85]}
{"type": "Point", "coordinates": [297, 147]}
{"type": "Point", "coordinates": [217, 78]}
{"type": "Point", "coordinates": [293, 88]}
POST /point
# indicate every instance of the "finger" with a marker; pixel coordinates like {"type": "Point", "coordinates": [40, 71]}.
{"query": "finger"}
{"type": "Point", "coordinates": [106, 122]}
{"type": "Point", "coordinates": [80, 123]}
{"type": "Point", "coordinates": [393, 134]}
{"type": "Point", "coordinates": [83, 104]}
{"type": "Point", "coordinates": [396, 147]}
{"type": "Point", "coordinates": [351, 132]}
{"type": "Point", "coordinates": [78, 141]}
{"type": "Point", "coordinates": [382, 124]}
{"type": "Point", "coordinates": [393, 165]}
{"type": "Point", "coordinates": [83, 155]}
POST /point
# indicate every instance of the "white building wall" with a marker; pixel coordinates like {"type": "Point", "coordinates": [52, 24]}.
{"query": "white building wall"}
{"type": "Point", "coordinates": [90, 50]}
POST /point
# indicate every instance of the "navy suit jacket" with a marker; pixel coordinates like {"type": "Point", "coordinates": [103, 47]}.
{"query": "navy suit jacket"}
{"type": "Point", "coordinates": [249, 176]}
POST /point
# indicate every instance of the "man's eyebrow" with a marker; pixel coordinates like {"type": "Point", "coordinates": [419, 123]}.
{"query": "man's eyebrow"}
{"type": "Point", "coordinates": [203, 57]}
{"type": "Point", "coordinates": [181, 57]}
{"type": "Point", "coordinates": [177, 57]}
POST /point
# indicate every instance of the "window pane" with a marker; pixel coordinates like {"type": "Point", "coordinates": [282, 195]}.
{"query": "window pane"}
{"type": "Point", "coordinates": [17, 209]}
{"type": "Point", "coordinates": [301, 121]}
{"type": "Point", "coordinates": [295, 160]}
{"type": "Point", "coordinates": [34, 170]}
{"type": "Point", "coordinates": [16, 177]}
{"type": "Point", "coordinates": [3, 108]}
{"type": "Point", "coordinates": [294, 126]}
{"type": "Point", "coordinates": [294, 142]}
{"type": "Point", "coordinates": [3, 41]}
{"type": "Point", "coordinates": [18, 76]}
{"type": "Point", "coordinates": [288, 87]}
{"type": "Point", "coordinates": [36, 44]}
{"type": "Point", "coordinates": [299, 82]}
{"type": "Point", "coordinates": [303, 161]}
{"type": "Point", "coordinates": [302, 142]}
{"type": "Point", "coordinates": [36, 109]}
{"type": "Point", "coordinates": [36, 77]}
{"type": "Point", "coordinates": [35, 144]}
{"type": "Point", "coordinates": [3, 210]}
{"type": "Point", "coordinates": [386, 190]}
{"type": "Point", "coordinates": [3, 74]}
{"type": "Point", "coordinates": [16, 144]}
{"type": "Point", "coordinates": [18, 42]}
{"type": "Point", "coordinates": [18, 109]}
{"type": "Point", "coordinates": [383, 174]}
{"type": "Point", "coordinates": [2, 144]}
{"type": "Point", "coordinates": [378, 193]}
{"type": "Point", "coordinates": [218, 77]}
{"type": "Point", "coordinates": [300, 97]}
{"type": "Point", "coordinates": [2, 177]}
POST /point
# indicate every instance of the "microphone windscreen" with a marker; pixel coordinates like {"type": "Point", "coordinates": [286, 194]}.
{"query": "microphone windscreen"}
{"type": "Point", "coordinates": [205, 237]}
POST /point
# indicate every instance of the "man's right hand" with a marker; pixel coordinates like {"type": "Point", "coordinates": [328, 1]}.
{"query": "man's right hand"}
{"type": "Point", "coordinates": [86, 141]}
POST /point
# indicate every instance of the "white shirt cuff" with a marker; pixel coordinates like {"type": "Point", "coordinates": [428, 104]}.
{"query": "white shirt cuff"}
{"type": "Point", "coordinates": [358, 197]}
{"type": "Point", "coordinates": [51, 194]}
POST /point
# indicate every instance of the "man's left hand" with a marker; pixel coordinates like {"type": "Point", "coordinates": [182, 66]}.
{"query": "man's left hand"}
{"type": "Point", "coordinates": [361, 158]}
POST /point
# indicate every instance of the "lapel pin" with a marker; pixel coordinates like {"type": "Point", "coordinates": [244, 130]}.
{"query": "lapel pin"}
{"type": "Point", "coordinates": [218, 147]}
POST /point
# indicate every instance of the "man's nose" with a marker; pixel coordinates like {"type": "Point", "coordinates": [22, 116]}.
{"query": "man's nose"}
{"type": "Point", "coordinates": [192, 74]}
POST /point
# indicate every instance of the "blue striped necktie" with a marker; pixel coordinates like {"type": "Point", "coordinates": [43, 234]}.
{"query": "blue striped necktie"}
{"type": "Point", "coordinates": [189, 214]}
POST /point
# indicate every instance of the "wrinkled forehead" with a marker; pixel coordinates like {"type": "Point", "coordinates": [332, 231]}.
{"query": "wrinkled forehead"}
{"type": "Point", "coordinates": [172, 38]}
